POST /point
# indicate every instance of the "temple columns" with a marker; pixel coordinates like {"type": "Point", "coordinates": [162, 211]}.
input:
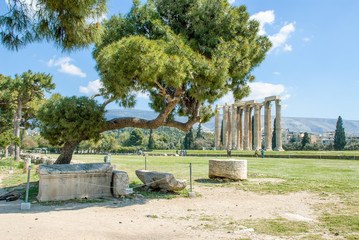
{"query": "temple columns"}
{"type": "Point", "coordinates": [278, 115]}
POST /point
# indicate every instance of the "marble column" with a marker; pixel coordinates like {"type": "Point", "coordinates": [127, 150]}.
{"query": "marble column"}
{"type": "Point", "coordinates": [229, 127]}
{"type": "Point", "coordinates": [255, 127]}
{"type": "Point", "coordinates": [234, 127]}
{"type": "Point", "coordinates": [250, 134]}
{"type": "Point", "coordinates": [278, 115]}
{"type": "Point", "coordinates": [240, 128]}
{"type": "Point", "coordinates": [217, 131]}
{"type": "Point", "coordinates": [225, 124]}
{"type": "Point", "coordinates": [246, 129]}
{"type": "Point", "coordinates": [260, 127]}
{"type": "Point", "coordinates": [267, 126]}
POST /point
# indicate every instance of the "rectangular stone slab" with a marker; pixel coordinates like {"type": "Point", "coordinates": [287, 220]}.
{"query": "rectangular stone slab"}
{"type": "Point", "coordinates": [65, 181]}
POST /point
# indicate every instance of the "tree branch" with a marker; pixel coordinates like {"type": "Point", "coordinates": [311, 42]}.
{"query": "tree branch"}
{"type": "Point", "coordinates": [160, 120]}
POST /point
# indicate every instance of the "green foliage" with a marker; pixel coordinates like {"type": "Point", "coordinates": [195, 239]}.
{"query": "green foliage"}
{"type": "Point", "coordinates": [70, 24]}
{"type": "Point", "coordinates": [199, 133]}
{"type": "Point", "coordinates": [339, 137]}
{"type": "Point", "coordinates": [274, 134]}
{"type": "Point", "coordinates": [351, 146]}
{"type": "Point", "coordinates": [136, 138]}
{"type": "Point", "coordinates": [6, 139]}
{"type": "Point", "coordinates": [188, 140]}
{"type": "Point", "coordinates": [151, 141]}
{"type": "Point", "coordinates": [193, 50]}
{"type": "Point", "coordinates": [70, 119]}
{"type": "Point", "coordinates": [305, 140]}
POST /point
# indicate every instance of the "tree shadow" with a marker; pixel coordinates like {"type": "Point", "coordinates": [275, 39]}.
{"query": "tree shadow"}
{"type": "Point", "coordinates": [139, 197]}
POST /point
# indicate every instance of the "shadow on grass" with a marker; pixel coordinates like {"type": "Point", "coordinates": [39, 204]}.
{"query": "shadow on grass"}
{"type": "Point", "coordinates": [215, 181]}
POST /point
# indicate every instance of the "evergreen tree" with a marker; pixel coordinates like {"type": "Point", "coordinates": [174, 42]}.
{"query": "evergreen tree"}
{"type": "Point", "coordinates": [274, 135]}
{"type": "Point", "coordinates": [136, 138]}
{"type": "Point", "coordinates": [151, 141]}
{"type": "Point", "coordinates": [199, 131]}
{"type": "Point", "coordinates": [339, 137]}
{"type": "Point", "coordinates": [305, 140]}
{"type": "Point", "coordinates": [188, 139]}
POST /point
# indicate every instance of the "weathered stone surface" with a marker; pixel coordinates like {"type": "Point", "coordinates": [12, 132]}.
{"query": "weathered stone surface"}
{"type": "Point", "coordinates": [161, 181]}
{"type": "Point", "coordinates": [120, 181]}
{"type": "Point", "coordinates": [27, 163]}
{"type": "Point", "coordinates": [65, 181]}
{"type": "Point", "coordinates": [228, 168]}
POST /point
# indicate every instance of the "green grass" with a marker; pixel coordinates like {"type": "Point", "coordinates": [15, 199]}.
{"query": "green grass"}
{"type": "Point", "coordinates": [284, 153]}
{"type": "Point", "coordinates": [329, 179]}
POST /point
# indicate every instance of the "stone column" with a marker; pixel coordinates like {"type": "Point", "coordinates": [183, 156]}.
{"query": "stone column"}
{"type": "Point", "coordinates": [250, 142]}
{"type": "Point", "coordinates": [267, 126]}
{"type": "Point", "coordinates": [217, 130]}
{"type": "Point", "coordinates": [234, 127]}
{"type": "Point", "coordinates": [255, 127]}
{"type": "Point", "coordinates": [259, 127]}
{"type": "Point", "coordinates": [229, 127]}
{"type": "Point", "coordinates": [225, 124]}
{"type": "Point", "coordinates": [246, 129]}
{"type": "Point", "coordinates": [240, 128]}
{"type": "Point", "coordinates": [278, 115]}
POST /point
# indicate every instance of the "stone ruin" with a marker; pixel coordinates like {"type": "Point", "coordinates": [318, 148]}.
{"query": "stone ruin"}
{"type": "Point", "coordinates": [90, 181]}
{"type": "Point", "coordinates": [164, 182]}
{"type": "Point", "coordinates": [237, 125]}
{"type": "Point", "coordinates": [231, 169]}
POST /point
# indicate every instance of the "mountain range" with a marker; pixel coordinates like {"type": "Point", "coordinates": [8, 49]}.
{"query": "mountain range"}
{"type": "Point", "coordinates": [310, 125]}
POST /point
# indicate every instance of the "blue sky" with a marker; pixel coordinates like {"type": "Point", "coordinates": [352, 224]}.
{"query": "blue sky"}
{"type": "Point", "coordinates": [314, 65]}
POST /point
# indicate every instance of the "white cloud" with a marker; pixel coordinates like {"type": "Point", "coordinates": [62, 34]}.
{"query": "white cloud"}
{"type": "Point", "coordinates": [66, 66]}
{"type": "Point", "coordinates": [92, 87]}
{"type": "Point", "coordinates": [143, 95]}
{"type": "Point", "coordinates": [278, 40]}
{"type": "Point", "coordinates": [96, 19]}
{"type": "Point", "coordinates": [306, 39]}
{"type": "Point", "coordinates": [263, 18]}
{"type": "Point", "coordinates": [276, 73]}
{"type": "Point", "coordinates": [259, 91]}
{"type": "Point", "coordinates": [231, 1]}
{"type": "Point", "coordinates": [288, 48]}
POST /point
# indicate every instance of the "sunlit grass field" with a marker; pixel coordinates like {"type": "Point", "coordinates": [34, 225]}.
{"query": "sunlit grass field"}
{"type": "Point", "coordinates": [330, 179]}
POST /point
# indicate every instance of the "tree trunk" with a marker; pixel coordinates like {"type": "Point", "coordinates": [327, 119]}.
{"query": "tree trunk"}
{"type": "Point", "coordinates": [66, 152]}
{"type": "Point", "coordinates": [17, 129]}
{"type": "Point", "coordinates": [6, 152]}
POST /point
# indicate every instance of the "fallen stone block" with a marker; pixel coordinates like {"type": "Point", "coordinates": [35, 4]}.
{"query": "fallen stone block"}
{"type": "Point", "coordinates": [120, 182]}
{"type": "Point", "coordinates": [228, 168]}
{"type": "Point", "coordinates": [74, 181]}
{"type": "Point", "coordinates": [164, 182]}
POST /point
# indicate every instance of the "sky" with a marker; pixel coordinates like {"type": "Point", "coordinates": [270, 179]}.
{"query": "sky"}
{"type": "Point", "coordinates": [313, 65]}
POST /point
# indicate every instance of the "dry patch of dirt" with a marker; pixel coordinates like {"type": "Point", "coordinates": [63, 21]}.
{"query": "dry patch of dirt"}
{"type": "Point", "coordinates": [266, 180]}
{"type": "Point", "coordinates": [213, 215]}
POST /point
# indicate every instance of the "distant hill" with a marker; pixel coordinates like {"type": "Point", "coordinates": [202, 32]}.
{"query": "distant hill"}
{"type": "Point", "coordinates": [311, 125]}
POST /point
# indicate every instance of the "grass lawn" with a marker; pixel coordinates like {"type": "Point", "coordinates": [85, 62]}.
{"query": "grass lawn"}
{"type": "Point", "coordinates": [330, 179]}
{"type": "Point", "coordinates": [284, 153]}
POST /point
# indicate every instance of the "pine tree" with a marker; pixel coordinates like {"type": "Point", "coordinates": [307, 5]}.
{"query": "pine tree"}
{"type": "Point", "coordinates": [305, 140]}
{"type": "Point", "coordinates": [151, 141]}
{"type": "Point", "coordinates": [339, 137]}
{"type": "Point", "coordinates": [199, 131]}
{"type": "Point", "coordinates": [188, 139]}
{"type": "Point", "coordinates": [274, 135]}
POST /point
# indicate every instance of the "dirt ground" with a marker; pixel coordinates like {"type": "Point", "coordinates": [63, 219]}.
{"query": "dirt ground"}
{"type": "Point", "coordinates": [213, 215]}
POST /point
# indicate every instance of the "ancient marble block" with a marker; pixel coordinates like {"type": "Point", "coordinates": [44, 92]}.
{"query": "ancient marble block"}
{"type": "Point", "coordinates": [120, 182]}
{"type": "Point", "coordinates": [74, 181]}
{"type": "Point", "coordinates": [228, 168]}
{"type": "Point", "coordinates": [161, 181]}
